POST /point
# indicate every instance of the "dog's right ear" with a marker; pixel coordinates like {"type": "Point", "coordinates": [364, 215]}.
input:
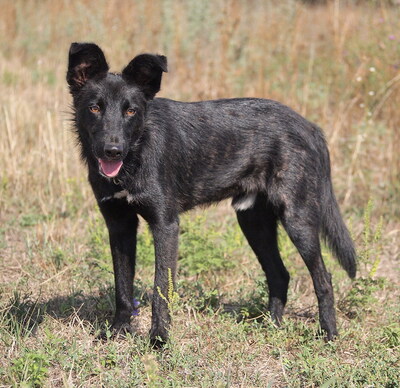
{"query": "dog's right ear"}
{"type": "Point", "coordinates": [86, 60]}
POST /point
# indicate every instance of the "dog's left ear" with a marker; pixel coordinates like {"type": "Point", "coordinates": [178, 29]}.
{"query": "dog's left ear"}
{"type": "Point", "coordinates": [145, 71]}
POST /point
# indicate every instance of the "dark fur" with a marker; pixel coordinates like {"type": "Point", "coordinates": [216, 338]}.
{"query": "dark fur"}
{"type": "Point", "coordinates": [179, 155]}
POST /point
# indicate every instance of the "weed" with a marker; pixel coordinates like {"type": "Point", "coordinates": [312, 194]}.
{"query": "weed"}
{"type": "Point", "coordinates": [99, 247]}
{"type": "Point", "coordinates": [255, 305]}
{"type": "Point", "coordinates": [204, 249]}
{"type": "Point", "coordinates": [31, 219]}
{"type": "Point", "coordinates": [362, 293]}
{"type": "Point", "coordinates": [21, 317]}
{"type": "Point", "coordinates": [172, 296]}
{"type": "Point", "coordinates": [59, 258]}
{"type": "Point", "coordinates": [152, 370]}
{"type": "Point", "coordinates": [3, 243]}
{"type": "Point", "coordinates": [391, 335]}
{"type": "Point", "coordinates": [29, 370]}
{"type": "Point", "coordinates": [195, 295]}
{"type": "Point", "coordinates": [145, 248]}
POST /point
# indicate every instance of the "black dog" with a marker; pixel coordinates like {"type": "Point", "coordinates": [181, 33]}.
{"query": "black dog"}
{"type": "Point", "coordinates": [158, 158]}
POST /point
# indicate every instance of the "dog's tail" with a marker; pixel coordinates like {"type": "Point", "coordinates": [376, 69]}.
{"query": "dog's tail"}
{"type": "Point", "coordinates": [333, 229]}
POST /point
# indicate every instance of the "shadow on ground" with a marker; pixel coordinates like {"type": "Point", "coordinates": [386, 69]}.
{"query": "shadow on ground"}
{"type": "Point", "coordinates": [23, 314]}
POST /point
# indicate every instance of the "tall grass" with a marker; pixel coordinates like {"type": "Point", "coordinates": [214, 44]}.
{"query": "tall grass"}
{"type": "Point", "coordinates": [317, 60]}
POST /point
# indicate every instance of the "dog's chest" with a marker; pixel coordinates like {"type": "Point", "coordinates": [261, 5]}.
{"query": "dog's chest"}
{"type": "Point", "coordinates": [122, 194]}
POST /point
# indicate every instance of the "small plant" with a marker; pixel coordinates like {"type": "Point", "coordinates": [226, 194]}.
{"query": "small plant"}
{"type": "Point", "coordinates": [99, 245]}
{"type": "Point", "coordinates": [391, 335]}
{"type": "Point", "coordinates": [364, 288]}
{"type": "Point", "coordinates": [30, 369]}
{"type": "Point", "coordinates": [198, 297]}
{"type": "Point", "coordinates": [110, 360]}
{"type": "Point", "coordinates": [22, 316]}
{"type": "Point", "coordinates": [152, 371]}
{"type": "Point", "coordinates": [172, 297]}
{"type": "Point", "coordinates": [30, 219]}
{"type": "Point", "coordinates": [145, 248]}
{"type": "Point", "coordinates": [255, 307]}
{"type": "Point", "coordinates": [2, 238]}
{"type": "Point", "coordinates": [59, 258]}
{"type": "Point", "coordinates": [204, 248]}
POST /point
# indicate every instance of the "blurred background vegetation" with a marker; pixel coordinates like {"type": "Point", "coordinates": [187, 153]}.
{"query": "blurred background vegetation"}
{"type": "Point", "coordinates": [336, 64]}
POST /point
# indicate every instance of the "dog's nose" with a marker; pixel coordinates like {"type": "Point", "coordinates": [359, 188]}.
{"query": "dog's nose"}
{"type": "Point", "coordinates": [113, 151]}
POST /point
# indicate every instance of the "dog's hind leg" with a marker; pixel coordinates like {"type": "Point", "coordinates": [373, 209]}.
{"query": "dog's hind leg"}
{"type": "Point", "coordinates": [259, 225]}
{"type": "Point", "coordinates": [301, 224]}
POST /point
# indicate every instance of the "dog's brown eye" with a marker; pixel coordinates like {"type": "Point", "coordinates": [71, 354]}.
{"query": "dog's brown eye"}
{"type": "Point", "coordinates": [94, 108]}
{"type": "Point", "coordinates": [130, 112]}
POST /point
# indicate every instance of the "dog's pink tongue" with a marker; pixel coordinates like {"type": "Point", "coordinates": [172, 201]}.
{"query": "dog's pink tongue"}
{"type": "Point", "coordinates": [111, 169]}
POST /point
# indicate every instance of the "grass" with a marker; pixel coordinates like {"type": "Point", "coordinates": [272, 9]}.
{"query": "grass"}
{"type": "Point", "coordinates": [337, 64]}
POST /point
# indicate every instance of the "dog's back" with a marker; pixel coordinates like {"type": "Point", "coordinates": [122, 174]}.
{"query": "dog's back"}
{"type": "Point", "coordinates": [212, 150]}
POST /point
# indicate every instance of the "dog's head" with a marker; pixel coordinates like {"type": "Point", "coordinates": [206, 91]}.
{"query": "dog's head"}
{"type": "Point", "coordinates": [110, 108]}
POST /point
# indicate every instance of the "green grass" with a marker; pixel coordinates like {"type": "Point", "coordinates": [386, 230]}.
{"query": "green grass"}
{"type": "Point", "coordinates": [221, 334]}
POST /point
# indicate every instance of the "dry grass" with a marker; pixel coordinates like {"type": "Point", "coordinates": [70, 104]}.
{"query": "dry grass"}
{"type": "Point", "coordinates": [309, 59]}
{"type": "Point", "coordinates": [338, 65]}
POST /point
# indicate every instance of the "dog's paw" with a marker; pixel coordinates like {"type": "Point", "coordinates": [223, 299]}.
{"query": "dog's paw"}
{"type": "Point", "coordinates": [121, 329]}
{"type": "Point", "coordinates": [158, 338]}
{"type": "Point", "coordinates": [327, 336]}
{"type": "Point", "coordinates": [117, 330]}
{"type": "Point", "coordinates": [331, 336]}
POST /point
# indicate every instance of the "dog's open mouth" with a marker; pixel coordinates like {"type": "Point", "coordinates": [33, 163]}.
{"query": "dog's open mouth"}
{"type": "Point", "coordinates": [110, 168]}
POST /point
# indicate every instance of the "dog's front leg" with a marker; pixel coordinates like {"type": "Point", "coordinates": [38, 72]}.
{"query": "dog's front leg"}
{"type": "Point", "coordinates": [122, 225]}
{"type": "Point", "coordinates": [165, 235]}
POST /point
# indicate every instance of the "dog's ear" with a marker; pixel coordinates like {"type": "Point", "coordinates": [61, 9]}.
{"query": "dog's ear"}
{"type": "Point", "coordinates": [145, 71]}
{"type": "Point", "coordinates": [86, 60]}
